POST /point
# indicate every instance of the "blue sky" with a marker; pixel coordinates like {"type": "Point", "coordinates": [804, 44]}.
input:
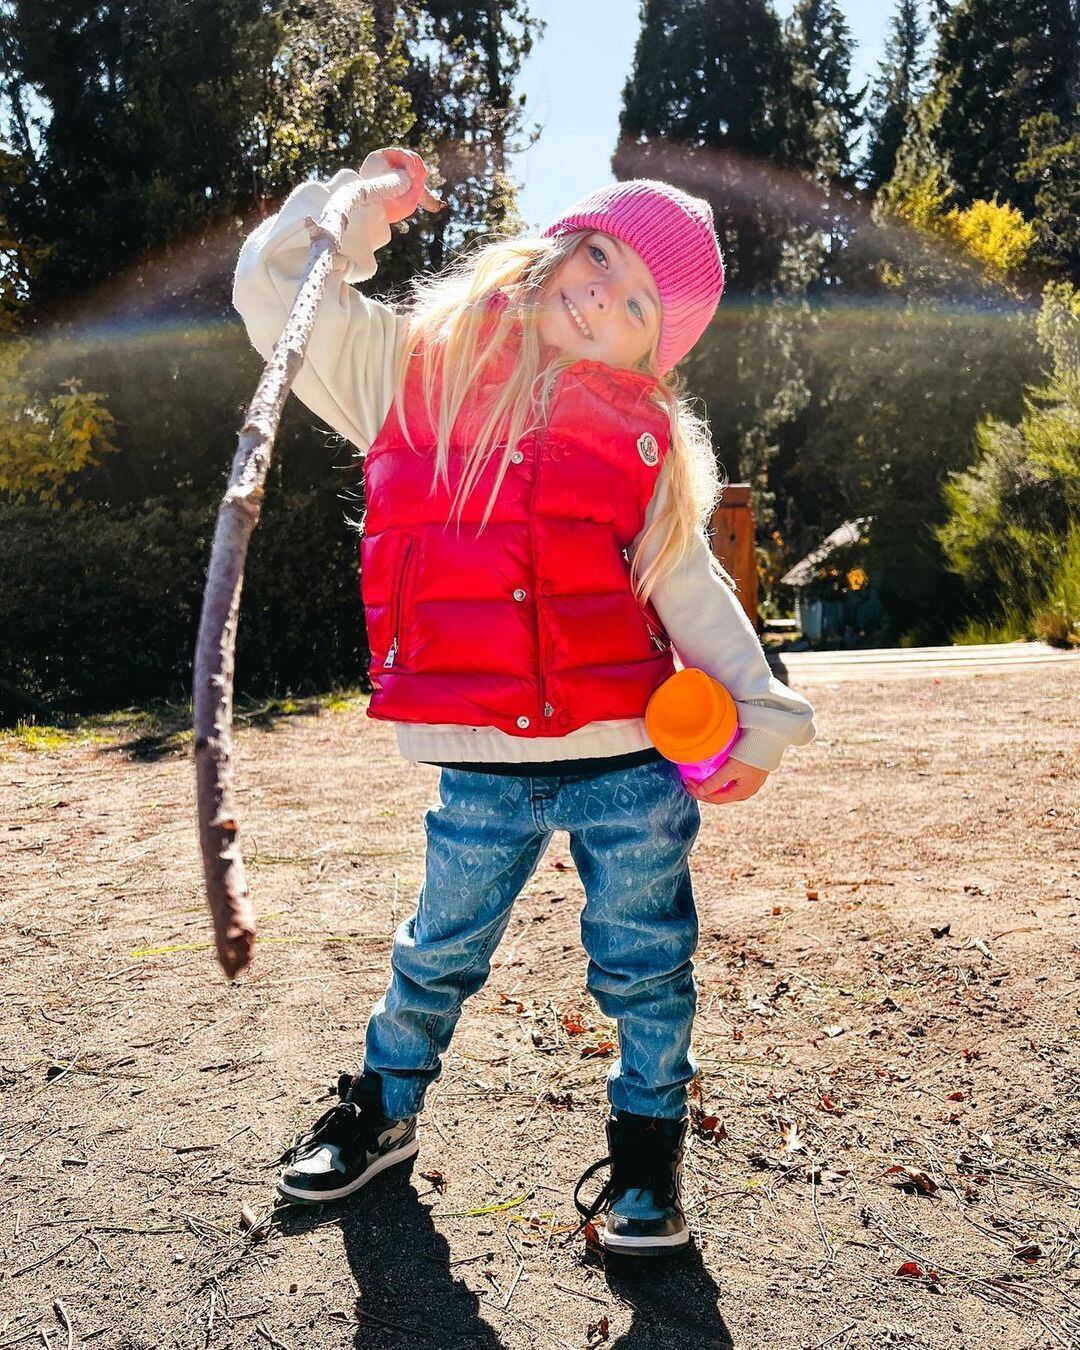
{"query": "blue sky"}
{"type": "Point", "coordinates": [573, 81]}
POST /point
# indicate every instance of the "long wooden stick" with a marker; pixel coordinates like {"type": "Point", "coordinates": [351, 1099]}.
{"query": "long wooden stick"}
{"type": "Point", "coordinates": [215, 650]}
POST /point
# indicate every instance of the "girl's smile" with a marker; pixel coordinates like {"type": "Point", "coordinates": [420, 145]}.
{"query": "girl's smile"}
{"type": "Point", "coordinates": [601, 304]}
{"type": "Point", "coordinates": [582, 326]}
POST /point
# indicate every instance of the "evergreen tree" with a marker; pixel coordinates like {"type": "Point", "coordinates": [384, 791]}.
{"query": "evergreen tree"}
{"type": "Point", "coordinates": [997, 66]}
{"type": "Point", "coordinates": [1052, 167]}
{"type": "Point", "coordinates": [165, 120]}
{"type": "Point", "coordinates": [1013, 532]}
{"type": "Point", "coordinates": [764, 124]}
{"type": "Point", "coordinates": [705, 107]}
{"type": "Point", "coordinates": [464, 60]}
{"type": "Point", "coordinates": [824, 120]}
{"type": "Point", "coordinates": [895, 93]}
{"type": "Point", "coordinates": [777, 366]}
{"type": "Point", "coordinates": [145, 136]}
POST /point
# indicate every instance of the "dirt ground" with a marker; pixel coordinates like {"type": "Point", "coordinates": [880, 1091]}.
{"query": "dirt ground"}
{"type": "Point", "coordinates": [887, 1130]}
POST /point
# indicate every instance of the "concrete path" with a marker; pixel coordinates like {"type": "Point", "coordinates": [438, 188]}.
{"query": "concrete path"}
{"type": "Point", "coordinates": [878, 662]}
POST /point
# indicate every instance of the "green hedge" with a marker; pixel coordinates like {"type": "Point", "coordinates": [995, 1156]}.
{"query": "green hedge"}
{"type": "Point", "coordinates": [99, 607]}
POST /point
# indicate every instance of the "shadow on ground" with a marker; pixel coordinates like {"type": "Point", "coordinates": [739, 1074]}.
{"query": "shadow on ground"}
{"type": "Point", "coordinates": [675, 1301]}
{"type": "Point", "coordinates": [169, 731]}
{"type": "Point", "coordinates": [409, 1296]}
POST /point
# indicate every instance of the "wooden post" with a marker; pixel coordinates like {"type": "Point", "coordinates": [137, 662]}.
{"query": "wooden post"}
{"type": "Point", "coordinates": [733, 543]}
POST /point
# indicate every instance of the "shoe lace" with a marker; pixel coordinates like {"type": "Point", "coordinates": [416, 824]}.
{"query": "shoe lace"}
{"type": "Point", "coordinates": [344, 1123]}
{"type": "Point", "coordinates": [637, 1164]}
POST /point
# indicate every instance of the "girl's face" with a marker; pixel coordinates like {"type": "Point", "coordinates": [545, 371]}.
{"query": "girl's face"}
{"type": "Point", "coordinates": [617, 308]}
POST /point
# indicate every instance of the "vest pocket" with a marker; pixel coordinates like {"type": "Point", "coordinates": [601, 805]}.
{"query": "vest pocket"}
{"type": "Point", "coordinates": [654, 629]}
{"type": "Point", "coordinates": [398, 601]}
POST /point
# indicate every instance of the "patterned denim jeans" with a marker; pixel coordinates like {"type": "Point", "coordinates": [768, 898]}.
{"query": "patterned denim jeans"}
{"type": "Point", "coordinates": [631, 831]}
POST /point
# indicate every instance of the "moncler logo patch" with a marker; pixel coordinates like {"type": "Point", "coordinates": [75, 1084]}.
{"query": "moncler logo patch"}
{"type": "Point", "coordinates": [647, 448]}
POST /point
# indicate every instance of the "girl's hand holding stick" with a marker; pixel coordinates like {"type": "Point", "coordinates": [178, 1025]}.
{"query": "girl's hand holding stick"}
{"type": "Point", "coordinates": [396, 157]}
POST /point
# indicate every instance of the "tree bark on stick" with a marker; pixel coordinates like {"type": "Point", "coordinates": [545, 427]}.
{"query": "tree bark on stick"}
{"type": "Point", "coordinates": [215, 649]}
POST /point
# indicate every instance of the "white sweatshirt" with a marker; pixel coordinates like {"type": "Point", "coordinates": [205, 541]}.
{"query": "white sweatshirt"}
{"type": "Point", "coordinates": [347, 380]}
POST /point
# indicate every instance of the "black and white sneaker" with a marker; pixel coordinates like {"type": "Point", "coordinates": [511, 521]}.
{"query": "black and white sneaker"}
{"type": "Point", "coordinates": [347, 1145]}
{"type": "Point", "coordinates": [642, 1199]}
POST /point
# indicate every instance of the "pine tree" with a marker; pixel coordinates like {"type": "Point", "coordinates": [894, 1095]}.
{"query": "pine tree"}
{"type": "Point", "coordinates": [777, 366]}
{"type": "Point", "coordinates": [704, 107]}
{"type": "Point", "coordinates": [939, 11]}
{"type": "Point", "coordinates": [895, 93]}
{"type": "Point", "coordinates": [825, 119]}
{"type": "Point", "coordinates": [464, 60]}
{"type": "Point", "coordinates": [997, 66]}
{"type": "Point", "coordinates": [1052, 167]}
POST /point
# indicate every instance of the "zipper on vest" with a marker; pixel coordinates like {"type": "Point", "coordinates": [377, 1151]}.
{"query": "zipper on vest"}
{"type": "Point", "coordinates": [657, 639]}
{"type": "Point", "coordinates": [399, 596]}
{"type": "Point", "coordinates": [541, 437]}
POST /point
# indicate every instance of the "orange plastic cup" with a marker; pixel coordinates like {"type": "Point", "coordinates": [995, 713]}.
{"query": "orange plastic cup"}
{"type": "Point", "coordinates": [692, 720]}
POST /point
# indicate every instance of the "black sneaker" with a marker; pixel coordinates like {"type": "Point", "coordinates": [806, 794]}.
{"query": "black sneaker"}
{"type": "Point", "coordinates": [642, 1200]}
{"type": "Point", "coordinates": [347, 1145]}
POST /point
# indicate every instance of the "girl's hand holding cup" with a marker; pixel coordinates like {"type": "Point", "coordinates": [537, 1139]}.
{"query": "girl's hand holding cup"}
{"type": "Point", "coordinates": [732, 782]}
{"type": "Point", "coordinates": [693, 721]}
{"type": "Point", "coordinates": [397, 157]}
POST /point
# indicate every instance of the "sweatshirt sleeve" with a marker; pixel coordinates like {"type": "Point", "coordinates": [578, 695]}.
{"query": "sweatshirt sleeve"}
{"type": "Point", "coordinates": [347, 374]}
{"type": "Point", "coordinates": [709, 629]}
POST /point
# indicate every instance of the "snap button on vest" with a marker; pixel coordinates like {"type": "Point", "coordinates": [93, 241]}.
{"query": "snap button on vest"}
{"type": "Point", "coordinates": [519, 594]}
{"type": "Point", "coordinates": [523, 722]}
{"type": "Point", "coordinates": [516, 457]}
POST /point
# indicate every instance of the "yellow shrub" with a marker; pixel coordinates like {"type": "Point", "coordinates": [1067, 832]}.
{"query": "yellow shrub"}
{"type": "Point", "coordinates": [997, 234]}
{"type": "Point", "coordinates": [45, 442]}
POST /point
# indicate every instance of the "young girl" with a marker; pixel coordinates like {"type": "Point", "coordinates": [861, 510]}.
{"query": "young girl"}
{"type": "Point", "coordinates": [533, 558]}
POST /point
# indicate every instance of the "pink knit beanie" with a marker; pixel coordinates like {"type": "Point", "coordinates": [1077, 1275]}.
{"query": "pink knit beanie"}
{"type": "Point", "coordinates": [673, 233]}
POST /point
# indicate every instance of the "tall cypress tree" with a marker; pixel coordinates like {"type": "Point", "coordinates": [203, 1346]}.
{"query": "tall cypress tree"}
{"type": "Point", "coordinates": [998, 65]}
{"type": "Point", "coordinates": [896, 91]}
{"type": "Point", "coordinates": [825, 118]}
{"type": "Point", "coordinates": [704, 107]}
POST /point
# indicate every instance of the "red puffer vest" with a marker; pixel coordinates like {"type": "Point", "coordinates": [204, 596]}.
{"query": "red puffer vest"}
{"type": "Point", "coordinates": [532, 626]}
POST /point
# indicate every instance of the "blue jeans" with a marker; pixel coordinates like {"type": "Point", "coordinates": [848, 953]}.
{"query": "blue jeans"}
{"type": "Point", "coordinates": [631, 832]}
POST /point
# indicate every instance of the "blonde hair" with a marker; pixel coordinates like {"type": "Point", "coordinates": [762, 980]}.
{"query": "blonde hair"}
{"type": "Point", "coordinates": [446, 314]}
